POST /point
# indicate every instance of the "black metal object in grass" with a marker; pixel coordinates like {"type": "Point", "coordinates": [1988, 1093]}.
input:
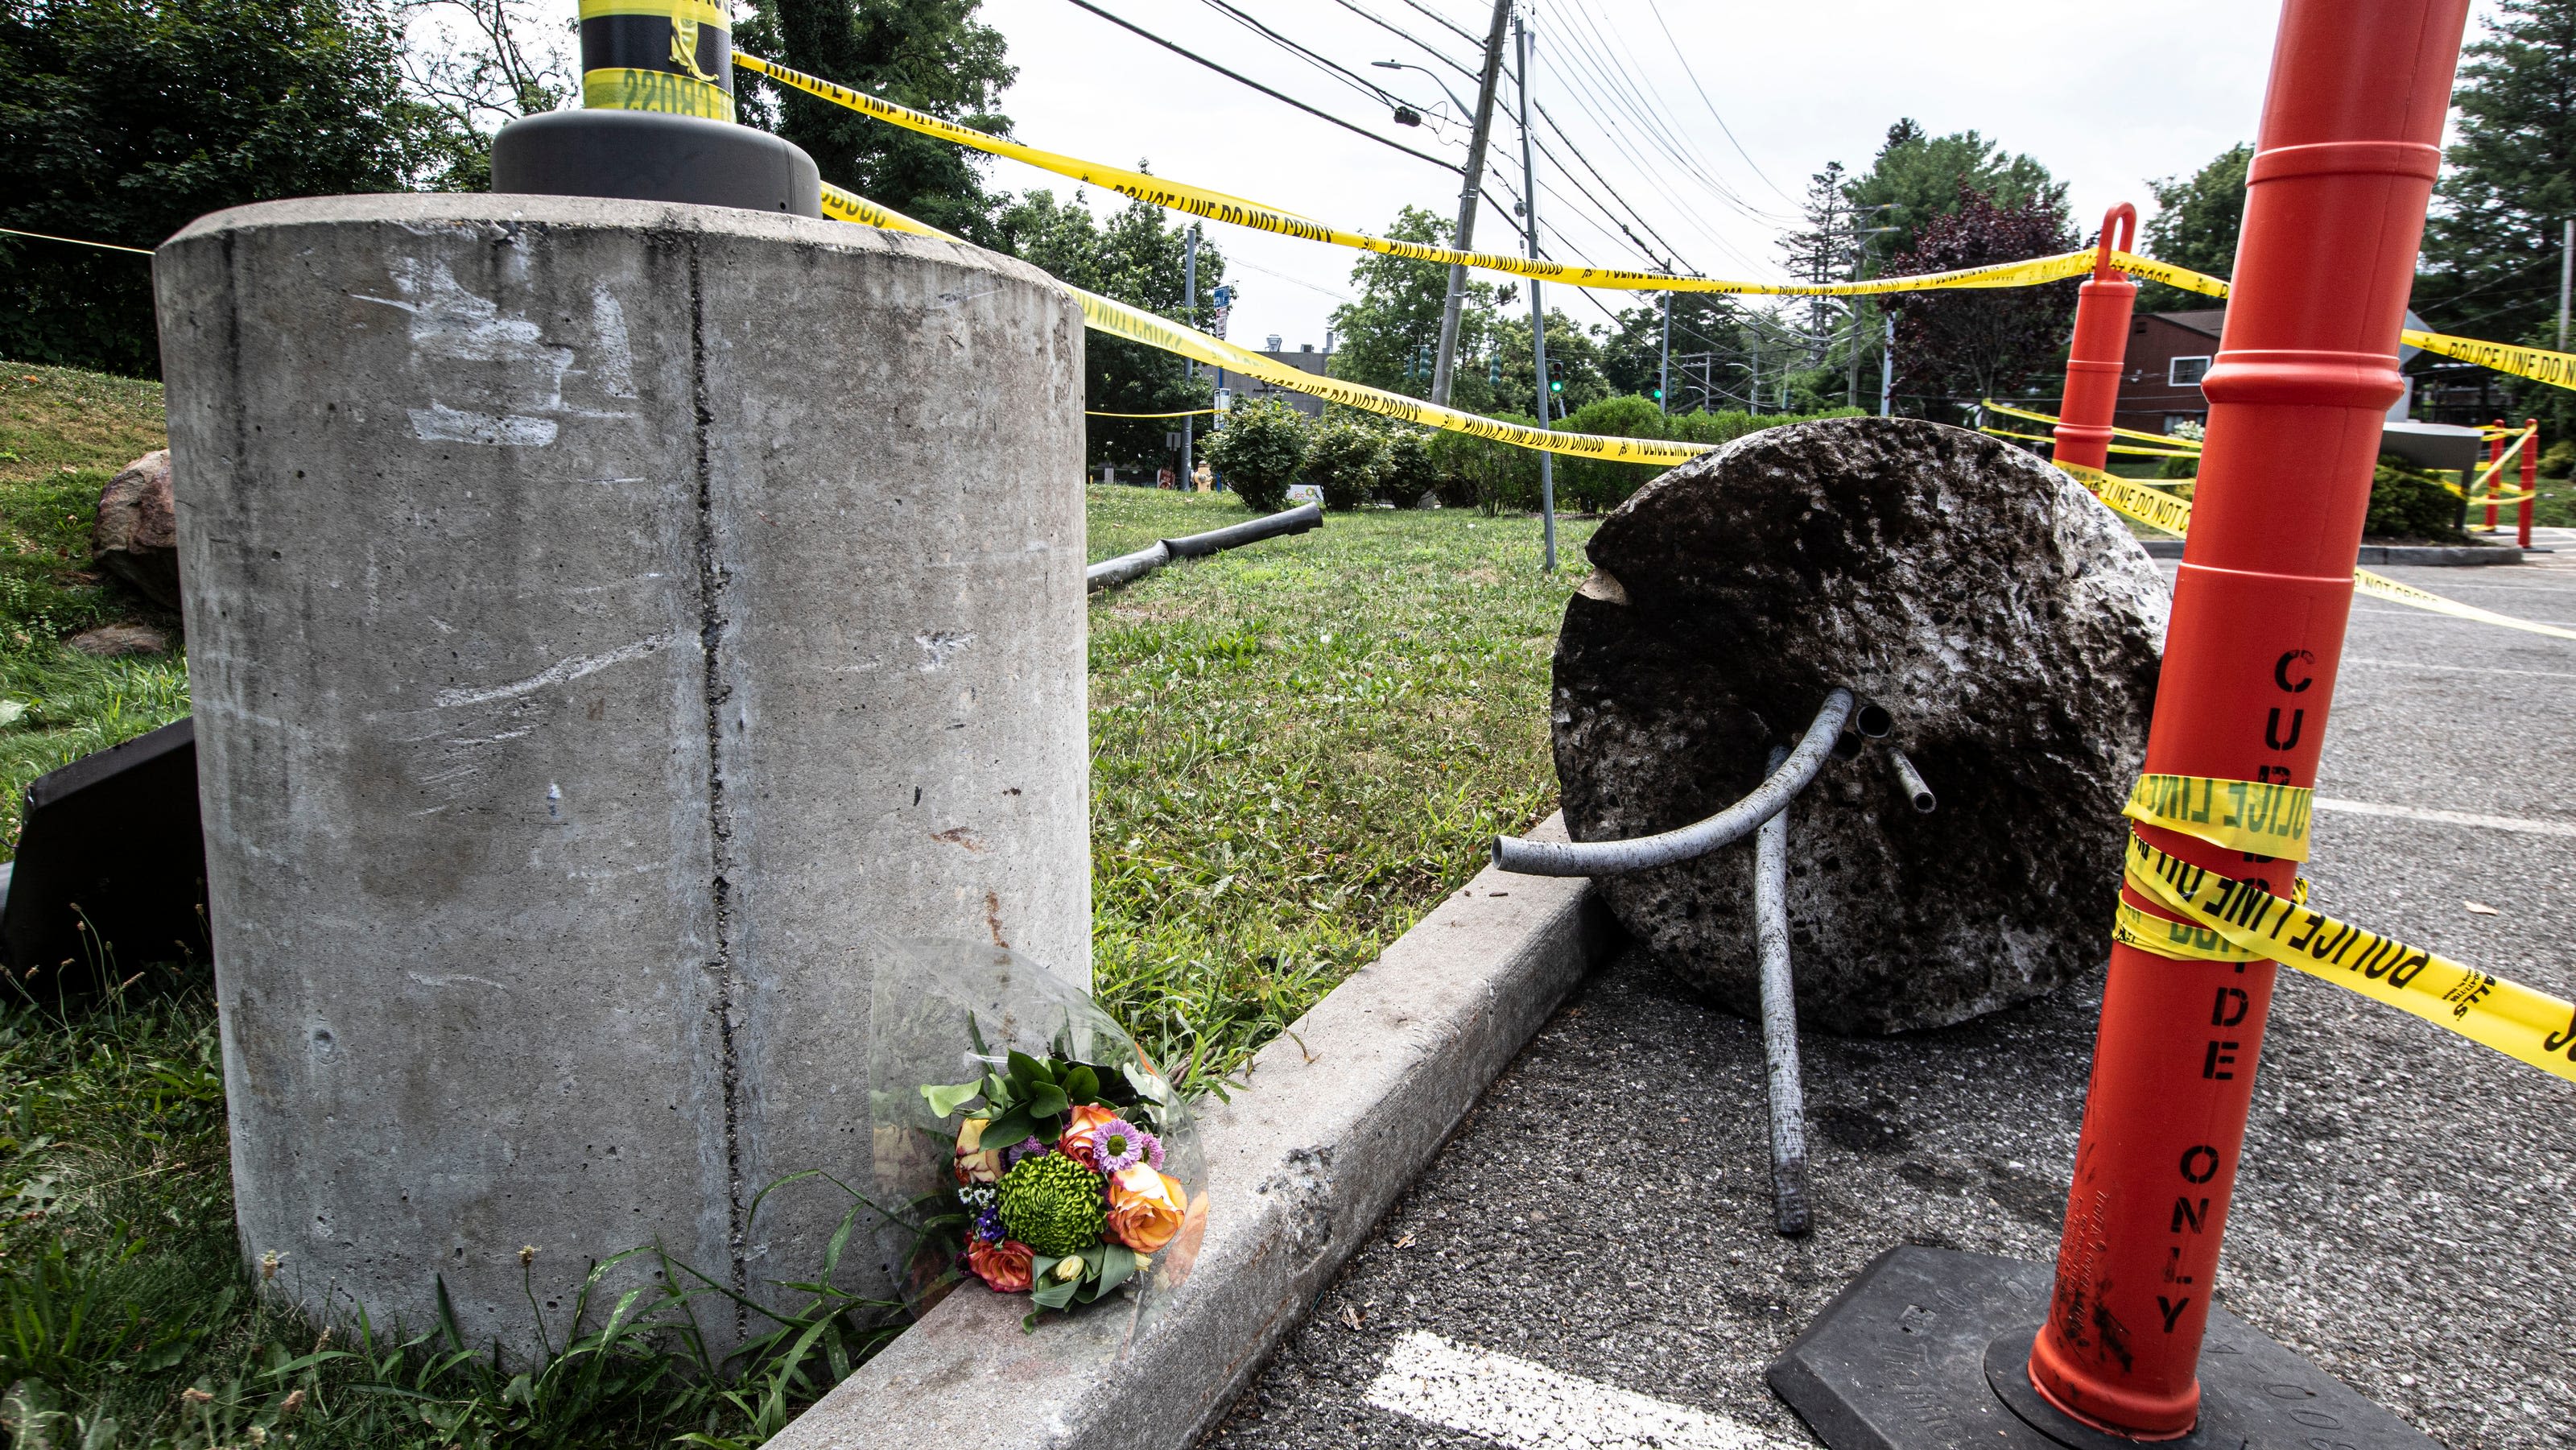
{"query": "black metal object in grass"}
{"type": "Point", "coordinates": [1127, 568]}
{"type": "Point", "coordinates": [111, 864]}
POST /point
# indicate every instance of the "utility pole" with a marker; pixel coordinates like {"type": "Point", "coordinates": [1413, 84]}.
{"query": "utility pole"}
{"type": "Point", "coordinates": [1445, 366]}
{"type": "Point", "coordinates": [1887, 368]}
{"type": "Point", "coordinates": [1664, 372]}
{"type": "Point", "coordinates": [1538, 314]}
{"type": "Point", "coordinates": [1189, 369]}
{"type": "Point", "coordinates": [2566, 274]}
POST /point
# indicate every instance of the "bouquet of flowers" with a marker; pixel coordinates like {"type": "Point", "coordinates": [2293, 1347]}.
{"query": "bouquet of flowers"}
{"type": "Point", "coordinates": [1059, 1170]}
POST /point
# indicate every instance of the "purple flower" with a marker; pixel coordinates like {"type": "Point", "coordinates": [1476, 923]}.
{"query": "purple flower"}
{"type": "Point", "coordinates": [1118, 1145]}
{"type": "Point", "coordinates": [1026, 1147]}
{"type": "Point", "coordinates": [988, 1225]}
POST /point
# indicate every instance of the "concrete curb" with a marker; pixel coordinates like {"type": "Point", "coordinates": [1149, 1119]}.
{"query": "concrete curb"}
{"type": "Point", "coordinates": [2436, 554]}
{"type": "Point", "coordinates": [1337, 1121]}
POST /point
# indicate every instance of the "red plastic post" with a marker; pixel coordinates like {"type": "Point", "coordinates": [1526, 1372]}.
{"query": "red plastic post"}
{"type": "Point", "coordinates": [2305, 372]}
{"type": "Point", "coordinates": [2530, 481]}
{"type": "Point", "coordinates": [2495, 450]}
{"type": "Point", "coordinates": [2101, 349]}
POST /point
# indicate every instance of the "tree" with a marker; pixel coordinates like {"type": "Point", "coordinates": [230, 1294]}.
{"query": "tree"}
{"type": "Point", "coordinates": [1823, 249]}
{"type": "Point", "coordinates": [1917, 177]}
{"type": "Point", "coordinates": [1389, 335]}
{"type": "Point", "coordinates": [2491, 247]}
{"type": "Point", "coordinates": [1971, 343]}
{"type": "Point", "coordinates": [1569, 348]}
{"type": "Point", "coordinates": [1259, 450]}
{"type": "Point", "coordinates": [482, 77]}
{"type": "Point", "coordinates": [1138, 260]}
{"type": "Point", "coordinates": [2195, 225]}
{"type": "Point", "coordinates": [931, 55]}
{"type": "Point", "coordinates": [129, 118]}
{"type": "Point", "coordinates": [1632, 351]}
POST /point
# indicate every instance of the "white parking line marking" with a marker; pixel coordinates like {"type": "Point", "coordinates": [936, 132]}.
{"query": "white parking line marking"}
{"type": "Point", "coordinates": [1531, 1407]}
{"type": "Point", "coordinates": [2434, 667]}
{"type": "Point", "coordinates": [2447, 818]}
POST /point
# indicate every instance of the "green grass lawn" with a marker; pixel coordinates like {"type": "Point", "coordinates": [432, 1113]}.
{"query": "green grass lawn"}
{"type": "Point", "coordinates": [1297, 749]}
{"type": "Point", "coordinates": [63, 435]}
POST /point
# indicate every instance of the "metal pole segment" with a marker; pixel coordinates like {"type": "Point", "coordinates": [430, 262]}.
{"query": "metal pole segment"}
{"type": "Point", "coordinates": [1610, 858]}
{"type": "Point", "coordinates": [2566, 276]}
{"type": "Point", "coordinates": [2305, 372]}
{"type": "Point", "coordinates": [1128, 567]}
{"type": "Point", "coordinates": [1538, 314]}
{"type": "Point", "coordinates": [2093, 363]}
{"type": "Point", "coordinates": [1910, 781]}
{"type": "Point", "coordinates": [1780, 1020]}
{"type": "Point", "coordinates": [2495, 450]}
{"type": "Point", "coordinates": [1664, 368]}
{"type": "Point", "coordinates": [1887, 366]}
{"type": "Point", "coordinates": [2530, 481]}
{"type": "Point", "coordinates": [1444, 366]}
{"type": "Point", "coordinates": [1189, 368]}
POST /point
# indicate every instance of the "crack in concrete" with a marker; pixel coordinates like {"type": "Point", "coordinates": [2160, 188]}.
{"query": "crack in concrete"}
{"type": "Point", "coordinates": [711, 628]}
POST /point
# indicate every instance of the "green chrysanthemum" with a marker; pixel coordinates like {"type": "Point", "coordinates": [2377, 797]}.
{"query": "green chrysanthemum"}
{"type": "Point", "coordinates": [1053, 1204]}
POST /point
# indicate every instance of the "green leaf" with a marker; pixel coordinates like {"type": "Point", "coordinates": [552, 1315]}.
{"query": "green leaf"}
{"type": "Point", "coordinates": [1049, 1101]}
{"type": "Point", "coordinates": [1082, 1085]}
{"type": "Point", "coordinates": [1051, 1292]}
{"type": "Point", "coordinates": [1117, 1266]}
{"type": "Point", "coordinates": [1009, 1128]}
{"type": "Point", "coordinates": [945, 1101]}
{"type": "Point", "coordinates": [1028, 1071]}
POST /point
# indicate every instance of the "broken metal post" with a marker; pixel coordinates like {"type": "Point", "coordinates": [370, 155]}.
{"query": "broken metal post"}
{"type": "Point", "coordinates": [1780, 1021]}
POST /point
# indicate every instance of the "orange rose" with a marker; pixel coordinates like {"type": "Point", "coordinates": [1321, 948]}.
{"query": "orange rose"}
{"type": "Point", "coordinates": [1145, 1208]}
{"type": "Point", "coordinates": [1075, 1141]}
{"type": "Point", "coordinates": [973, 1162]}
{"type": "Point", "coordinates": [1004, 1266]}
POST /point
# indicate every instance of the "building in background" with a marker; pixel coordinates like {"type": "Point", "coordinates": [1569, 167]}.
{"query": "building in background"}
{"type": "Point", "coordinates": [1304, 358]}
{"type": "Point", "coordinates": [2170, 352]}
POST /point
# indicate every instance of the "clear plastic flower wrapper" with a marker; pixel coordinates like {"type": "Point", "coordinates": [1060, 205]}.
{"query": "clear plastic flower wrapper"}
{"type": "Point", "coordinates": [1033, 1145]}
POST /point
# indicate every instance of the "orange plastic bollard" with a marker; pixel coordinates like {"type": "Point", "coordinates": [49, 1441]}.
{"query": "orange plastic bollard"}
{"type": "Point", "coordinates": [2495, 450]}
{"type": "Point", "coordinates": [2530, 482]}
{"type": "Point", "coordinates": [2343, 167]}
{"type": "Point", "coordinates": [2092, 392]}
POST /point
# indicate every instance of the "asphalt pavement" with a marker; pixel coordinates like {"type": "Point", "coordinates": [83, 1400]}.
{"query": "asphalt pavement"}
{"type": "Point", "coordinates": [1590, 1263]}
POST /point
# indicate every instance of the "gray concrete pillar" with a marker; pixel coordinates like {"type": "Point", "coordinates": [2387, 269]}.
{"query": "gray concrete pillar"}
{"type": "Point", "coordinates": [602, 616]}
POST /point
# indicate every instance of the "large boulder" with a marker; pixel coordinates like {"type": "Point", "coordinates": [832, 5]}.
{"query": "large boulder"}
{"type": "Point", "coordinates": [2004, 617]}
{"type": "Point", "coordinates": [136, 537]}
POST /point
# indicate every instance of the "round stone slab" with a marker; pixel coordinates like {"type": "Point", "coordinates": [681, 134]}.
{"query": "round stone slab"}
{"type": "Point", "coordinates": [2007, 621]}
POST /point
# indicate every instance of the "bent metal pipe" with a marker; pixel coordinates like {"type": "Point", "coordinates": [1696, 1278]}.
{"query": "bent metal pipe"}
{"type": "Point", "coordinates": [1611, 858]}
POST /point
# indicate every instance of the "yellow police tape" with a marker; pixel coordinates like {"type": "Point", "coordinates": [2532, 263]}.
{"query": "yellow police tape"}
{"type": "Point", "coordinates": [2557, 369]}
{"type": "Point", "coordinates": [1138, 325]}
{"type": "Point", "coordinates": [2136, 500]}
{"type": "Point", "coordinates": [2169, 440]}
{"type": "Point", "coordinates": [2173, 515]}
{"type": "Point", "coordinates": [1219, 206]}
{"type": "Point", "coordinates": [2113, 447]}
{"type": "Point", "coordinates": [2251, 924]}
{"type": "Point", "coordinates": [2242, 815]}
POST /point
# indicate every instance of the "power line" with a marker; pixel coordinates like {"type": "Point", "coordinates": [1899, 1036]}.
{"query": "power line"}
{"type": "Point", "coordinates": [1477, 41]}
{"type": "Point", "coordinates": [1650, 171]}
{"type": "Point", "coordinates": [1605, 184]}
{"type": "Point", "coordinates": [1616, 81]}
{"type": "Point", "coordinates": [1236, 76]}
{"type": "Point", "coordinates": [1409, 38]}
{"type": "Point", "coordinates": [1362, 84]}
{"type": "Point", "coordinates": [1678, 55]}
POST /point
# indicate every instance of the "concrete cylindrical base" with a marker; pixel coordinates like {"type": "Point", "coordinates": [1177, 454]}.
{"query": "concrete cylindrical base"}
{"type": "Point", "coordinates": [602, 616]}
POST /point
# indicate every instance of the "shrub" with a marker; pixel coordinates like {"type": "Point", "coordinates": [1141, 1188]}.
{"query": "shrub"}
{"type": "Point", "coordinates": [1479, 473]}
{"type": "Point", "coordinates": [1259, 450]}
{"type": "Point", "coordinates": [2558, 459]}
{"type": "Point", "coordinates": [2405, 504]}
{"type": "Point", "coordinates": [1347, 460]}
{"type": "Point", "coordinates": [1409, 470]}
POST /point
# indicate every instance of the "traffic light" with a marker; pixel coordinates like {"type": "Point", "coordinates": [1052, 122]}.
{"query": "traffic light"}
{"type": "Point", "coordinates": [1555, 376]}
{"type": "Point", "coordinates": [1494, 370]}
{"type": "Point", "coordinates": [1659, 395]}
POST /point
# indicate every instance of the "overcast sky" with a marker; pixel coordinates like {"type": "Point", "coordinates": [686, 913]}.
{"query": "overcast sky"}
{"type": "Point", "coordinates": [2099, 94]}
